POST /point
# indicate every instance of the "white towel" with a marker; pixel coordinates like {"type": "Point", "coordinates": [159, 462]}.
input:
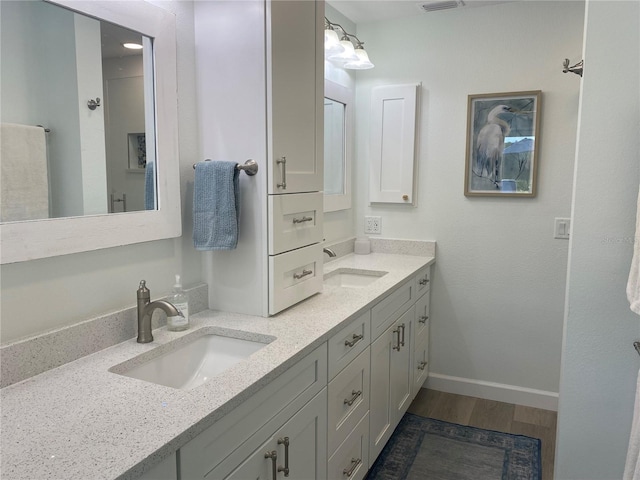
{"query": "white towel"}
{"type": "Point", "coordinates": [24, 179]}
{"type": "Point", "coordinates": [632, 467]}
{"type": "Point", "coordinates": [633, 285]}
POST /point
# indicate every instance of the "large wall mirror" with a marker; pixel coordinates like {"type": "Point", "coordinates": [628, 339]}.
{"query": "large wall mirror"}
{"type": "Point", "coordinates": [89, 128]}
{"type": "Point", "coordinates": [338, 141]}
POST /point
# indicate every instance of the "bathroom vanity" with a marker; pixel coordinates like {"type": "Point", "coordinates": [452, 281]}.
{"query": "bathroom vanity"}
{"type": "Point", "coordinates": [321, 397]}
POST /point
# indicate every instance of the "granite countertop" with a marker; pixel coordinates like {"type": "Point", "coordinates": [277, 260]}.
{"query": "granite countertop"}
{"type": "Point", "coordinates": [82, 421]}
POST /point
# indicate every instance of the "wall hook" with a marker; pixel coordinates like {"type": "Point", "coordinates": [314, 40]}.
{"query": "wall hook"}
{"type": "Point", "coordinates": [578, 68]}
{"type": "Point", "coordinates": [93, 104]}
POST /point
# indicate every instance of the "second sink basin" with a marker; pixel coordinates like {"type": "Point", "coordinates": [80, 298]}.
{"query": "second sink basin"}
{"type": "Point", "coordinates": [352, 278]}
{"type": "Point", "coordinates": [193, 363]}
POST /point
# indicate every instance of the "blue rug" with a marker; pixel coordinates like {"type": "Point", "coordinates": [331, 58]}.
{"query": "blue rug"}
{"type": "Point", "coordinates": [428, 449]}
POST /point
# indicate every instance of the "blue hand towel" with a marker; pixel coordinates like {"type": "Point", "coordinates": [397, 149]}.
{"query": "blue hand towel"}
{"type": "Point", "coordinates": [216, 206]}
{"type": "Point", "coordinates": [149, 187]}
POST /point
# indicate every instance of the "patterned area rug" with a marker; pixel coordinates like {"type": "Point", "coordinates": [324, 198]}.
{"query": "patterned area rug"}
{"type": "Point", "coordinates": [424, 448]}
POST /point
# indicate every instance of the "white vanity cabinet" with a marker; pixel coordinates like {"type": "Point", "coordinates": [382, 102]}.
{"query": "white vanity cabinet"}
{"type": "Point", "coordinates": [391, 380]}
{"type": "Point", "coordinates": [288, 416]}
{"type": "Point", "coordinates": [262, 98]}
{"type": "Point", "coordinates": [399, 356]}
{"type": "Point", "coordinates": [295, 81]}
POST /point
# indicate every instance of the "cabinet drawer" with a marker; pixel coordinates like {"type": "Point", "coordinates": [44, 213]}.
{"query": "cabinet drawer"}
{"type": "Point", "coordinates": [422, 318]}
{"type": "Point", "coordinates": [382, 314]}
{"type": "Point", "coordinates": [287, 393]}
{"type": "Point", "coordinates": [294, 276]}
{"type": "Point", "coordinates": [351, 459]}
{"type": "Point", "coordinates": [294, 221]}
{"type": "Point", "coordinates": [348, 343]}
{"type": "Point", "coordinates": [348, 399]}
{"type": "Point", "coordinates": [420, 364]}
{"type": "Point", "coordinates": [423, 281]}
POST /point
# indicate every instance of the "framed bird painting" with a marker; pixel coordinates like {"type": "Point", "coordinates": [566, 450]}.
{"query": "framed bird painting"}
{"type": "Point", "coordinates": [502, 144]}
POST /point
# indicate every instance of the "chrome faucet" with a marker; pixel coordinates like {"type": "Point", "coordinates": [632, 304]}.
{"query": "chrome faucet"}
{"type": "Point", "coordinates": [145, 310]}
{"type": "Point", "coordinates": [329, 252]}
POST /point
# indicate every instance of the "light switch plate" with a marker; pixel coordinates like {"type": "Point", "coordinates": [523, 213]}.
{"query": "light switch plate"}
{"type": "Point", "coordinates": [561, 228]}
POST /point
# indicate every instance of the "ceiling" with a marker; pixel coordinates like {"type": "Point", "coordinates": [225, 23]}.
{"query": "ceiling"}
{"type": "Point", "coordinates": [362, 11]}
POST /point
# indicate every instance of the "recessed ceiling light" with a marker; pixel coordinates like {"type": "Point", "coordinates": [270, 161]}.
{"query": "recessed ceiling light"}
{"type": "Point", "coordinates": [132, 46]}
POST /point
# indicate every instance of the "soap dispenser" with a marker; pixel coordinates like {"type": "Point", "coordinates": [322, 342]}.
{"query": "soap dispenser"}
{"type": "Point", "coordinates": [180, 300]}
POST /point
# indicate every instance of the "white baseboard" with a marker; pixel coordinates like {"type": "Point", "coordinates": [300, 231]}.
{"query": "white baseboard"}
{"type": "Point", "coordinates": [493, 391]}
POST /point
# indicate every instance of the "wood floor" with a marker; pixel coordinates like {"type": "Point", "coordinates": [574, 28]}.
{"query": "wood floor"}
{"type": "Point", "coordinates": [491, 415]}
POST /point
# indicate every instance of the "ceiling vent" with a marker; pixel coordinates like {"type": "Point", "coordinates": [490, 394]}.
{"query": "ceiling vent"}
{"type": "Point", "coordinates": [440, 5]}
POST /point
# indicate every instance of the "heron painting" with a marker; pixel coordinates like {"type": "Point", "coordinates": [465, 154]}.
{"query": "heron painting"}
{"type": "Point", "coordinates": [502, 144]}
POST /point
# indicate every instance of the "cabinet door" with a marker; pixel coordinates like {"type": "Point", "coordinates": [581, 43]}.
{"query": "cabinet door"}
{"type": "Point", "coordinates": [300, 444]}
{"type": "Point", "coordinates": [305, 438]}
{"type": "Point", "coordinates": [401, 374]}
{"type": "Point", "coordinates": [295, 88]}
{"type": "Point", "coordinates": [390, 381]}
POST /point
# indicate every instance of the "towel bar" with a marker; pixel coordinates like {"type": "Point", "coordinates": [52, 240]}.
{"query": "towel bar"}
{"type": "Point", "coordinates": [636, 345]}
{"type": "Point", "coordinates": [250, 167]}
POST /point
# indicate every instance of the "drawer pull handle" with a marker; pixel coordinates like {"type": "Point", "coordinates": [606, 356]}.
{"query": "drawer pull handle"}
{"type": "Point", "coordinates": [397, 332]}
{"type": "Point", "coordinates": [356, 394]}
{"type": "Point", "coordinates": [304, 273]}
{"type": "Point", "coordinates": [356, 339]}
{"type": "Point", "coordinates": [402, 341]}
{"type": "Point", "coordinates": [273, 455]}
{"type": "Point", "coordinates": [423, 319]}
{"type": "Point", "coordinates": [285, 441]}
{"type": "Point", "coordinates": [283, 161]}
{"type": "Point", "coordinates": [423, 281]}
{"type": "Point", "coordinates": [354, 464]}
{"type": "Point", "coordinates": [422, 365]}
{"type": "Point", "coordinates": [303, 219]}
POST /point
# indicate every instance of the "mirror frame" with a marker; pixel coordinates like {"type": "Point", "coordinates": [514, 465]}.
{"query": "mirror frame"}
{"type": "Point", "coordinates": [340, 93]}
{"type": "Point", "coordinates": [33, 239]}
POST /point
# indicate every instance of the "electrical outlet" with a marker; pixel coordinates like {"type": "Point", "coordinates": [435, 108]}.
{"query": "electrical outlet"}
{"type": "Point", "coordinates": [373, 224]}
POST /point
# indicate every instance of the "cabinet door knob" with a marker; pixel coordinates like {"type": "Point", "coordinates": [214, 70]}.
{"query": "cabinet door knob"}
{"type": "Point", "coordinates": [356, 394]}
{"type": "Point", "coordinates": [424, 281]}
{"type": "Point", "coordinates": [273, 455]}
{"type": "Point", "coordinates": [304, 273]}
{"type": "Point", "coordinates": [302, 220]}
{"type": "Point", "coordinates": [356, 339]}
{"type": "Point", "coordinates": [402, 341]}
{"type": "Point", "coordinates": [397, 332]}
{"type": "Point", "coordinates": [422, 365]}
{"type": "Point", "coordinates": [285, 441]}
{"type": "Point", "coordinates": [283, 162]}
{"type": "Point", "coordinates": [354, 464]}
{"type": "Point", "coordinates": [423, 319]}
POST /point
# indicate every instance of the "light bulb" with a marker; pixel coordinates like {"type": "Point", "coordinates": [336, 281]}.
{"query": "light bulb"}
{"type": "Point", "coordinates": [348, 55]}
{"type": "Point", "coordinates": [331, 43]}
{"type": "Point", "coordinates": [363, 62]}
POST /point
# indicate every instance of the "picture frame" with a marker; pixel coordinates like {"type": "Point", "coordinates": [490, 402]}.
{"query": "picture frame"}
{"type": "Point", "coordinates": [137, 151]}
{"type": "Point", "coordinates": [503, 139]}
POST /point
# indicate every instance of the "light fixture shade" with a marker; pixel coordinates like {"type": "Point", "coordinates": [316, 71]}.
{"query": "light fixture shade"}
{"type": "Point", "coordinates": [348, 55]}
{"type": "Point", "coordinates": [363, 62]}
{"type": "Point", "coordinates": [331, 43]}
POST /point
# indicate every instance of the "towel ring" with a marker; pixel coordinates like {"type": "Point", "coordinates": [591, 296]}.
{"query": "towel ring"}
{"type": "Point", "coordinates": [250, 167]}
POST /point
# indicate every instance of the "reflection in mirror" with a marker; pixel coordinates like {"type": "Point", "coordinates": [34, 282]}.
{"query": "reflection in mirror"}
{"type": "Point", "coordinates": [338, 131]}
{"type": "Point", "coordinates": [334, 147]}
{"type": "Point", "coordinates": [75, 140]}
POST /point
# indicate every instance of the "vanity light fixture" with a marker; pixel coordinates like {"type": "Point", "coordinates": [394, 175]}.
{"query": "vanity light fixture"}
{"type": "Point", "coordinates": [132, 46]}
{"type": "Point", "coordinates": [344, 52]}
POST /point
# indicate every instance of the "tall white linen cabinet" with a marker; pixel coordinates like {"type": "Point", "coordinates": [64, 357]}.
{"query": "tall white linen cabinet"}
{"type": "Point", "coordinates": [260, 88]}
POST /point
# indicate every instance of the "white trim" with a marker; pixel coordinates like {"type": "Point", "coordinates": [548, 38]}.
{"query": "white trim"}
{"type": "Point", "coordinates": [22, 241]}
{"type": "Point", "coordinates": [500, 392]}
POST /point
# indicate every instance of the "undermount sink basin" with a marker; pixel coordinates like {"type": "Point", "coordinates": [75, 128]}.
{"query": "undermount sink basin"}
{"type": "Point", "coordinates": [192, 363]}
{"type": "Point", "coordinates": [352, 278]}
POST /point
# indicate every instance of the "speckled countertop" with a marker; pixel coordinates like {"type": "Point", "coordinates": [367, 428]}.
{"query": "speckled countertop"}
{"type": "Point", "coordinates": [82, 421]}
